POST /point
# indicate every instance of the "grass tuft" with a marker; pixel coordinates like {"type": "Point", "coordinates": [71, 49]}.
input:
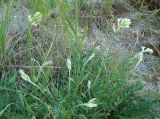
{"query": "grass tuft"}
{"type": "Point", "coordinates": [52, 76]}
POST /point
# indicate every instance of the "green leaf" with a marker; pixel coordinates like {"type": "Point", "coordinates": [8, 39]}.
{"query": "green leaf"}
{"type": "Point", "coordinates": [2, 111]}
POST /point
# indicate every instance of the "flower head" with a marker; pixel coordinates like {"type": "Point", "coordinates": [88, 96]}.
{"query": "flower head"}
{"type": "Point", "coordinates": [91, 103]}
{"type": "Point", "coordinates": [89, 84]}
{"type": "Point", "coordinates": [69, 63]}
{"type": "Point", "coordinates": [139, 57]}
{"type": "Point", "coordinates": [35, 19]}
{"type": "Point", "coordinates": [122, 23]}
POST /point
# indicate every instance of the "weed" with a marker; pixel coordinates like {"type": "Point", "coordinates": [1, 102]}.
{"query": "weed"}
{"type": "Point", "coordinates": [61, 80]}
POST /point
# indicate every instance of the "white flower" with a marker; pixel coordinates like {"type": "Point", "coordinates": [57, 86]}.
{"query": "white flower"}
{"type": "Point", "coordinates": [91, 103]}
{"type": "Point", "coordinates": [93, 100]}
{"type": "Point", "coordinates": [26, 78]}
{"type": "Point", "coordinates": [149, 50]}
{"type": "Point", "coordinates": [122, 23]}
{"type": "Point", "coordinates": [139, 56]}
{"type": "Point", "coordinates": [35, 19]}
{"type": "Point", "coordinates": [89, 84]}
{"type": "Point", "coordinates": [69, 64]}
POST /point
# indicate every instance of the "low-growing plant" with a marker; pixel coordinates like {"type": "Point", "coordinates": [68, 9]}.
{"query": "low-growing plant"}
{"type": "Point", "coordinates": [83, 84]}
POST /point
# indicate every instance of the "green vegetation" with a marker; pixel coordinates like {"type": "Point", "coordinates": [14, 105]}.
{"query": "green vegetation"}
{"type": "Point", "coordinates": [53, 76]}
{"type": "Point", "coordinates": [3, 27]}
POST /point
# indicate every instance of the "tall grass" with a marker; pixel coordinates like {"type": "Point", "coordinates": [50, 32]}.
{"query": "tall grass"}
{"type": "Point", "coordinates": [6, 13]}
{"type": "Point", "coordinates": [107, 6]}
{"type": "Point", "coordinates": [43, 6]}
